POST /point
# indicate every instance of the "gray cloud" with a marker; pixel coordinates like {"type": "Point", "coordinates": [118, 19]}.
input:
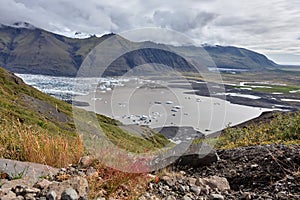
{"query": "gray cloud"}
{"type": "Point", "coordinates": [269, 27]}
{"type": "Point", "coordinates": [181, 20]}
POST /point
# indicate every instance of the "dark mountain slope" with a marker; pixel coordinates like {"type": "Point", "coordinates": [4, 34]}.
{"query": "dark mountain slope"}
{"type": "Point", "coordinates": [36, 51]}
{"type": "Point", "coordinates": [233, 57]}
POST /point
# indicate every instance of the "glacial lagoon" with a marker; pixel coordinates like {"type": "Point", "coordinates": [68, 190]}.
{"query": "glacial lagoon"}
{"type": "Point", "coordinates": [137, 101]}
{"type": "Point", "coordinates": [157, 105]}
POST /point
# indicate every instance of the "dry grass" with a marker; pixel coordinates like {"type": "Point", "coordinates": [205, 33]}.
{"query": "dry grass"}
{"type": "Point", "coordinates": [27, 143]}
{"type": "Point", "coordinates": [22, 142]}
{"type": "Point", "coordinates": [112, 183]}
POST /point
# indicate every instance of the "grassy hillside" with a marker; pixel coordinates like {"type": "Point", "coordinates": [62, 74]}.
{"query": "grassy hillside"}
{"type": "Point", "coordinates": [39, 128]}
{"type": "Point", "coordinates": [282, 128]}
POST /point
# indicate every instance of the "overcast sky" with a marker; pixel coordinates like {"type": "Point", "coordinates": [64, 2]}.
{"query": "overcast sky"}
{"type": "Point", "coordinates": [271, 27]}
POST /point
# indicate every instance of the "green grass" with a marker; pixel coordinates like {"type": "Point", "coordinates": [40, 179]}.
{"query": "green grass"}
{"type": "Point", "coordinates": [283, 128]}
{"type": "Point", "coordinates": [131, 142]}
{"type": "Point", "coordinates": [275, 76]}
{"type": "Point", "coordinates": [14, 107]}
{"type": "Point", "coordinates": [291, 69]}
{"type": "Point", "coordinates": [277, 88]}
{"type": "Point", "coordinates": [18, 175]}
{"type": "Point", "coordinates": [285, 89]}
{"type": "Point", "coordinates": [25, 111]}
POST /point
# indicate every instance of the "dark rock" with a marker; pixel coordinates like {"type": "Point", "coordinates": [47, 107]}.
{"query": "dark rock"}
{"type": "Point", "coordinates": [198, 155]}
{"type": "Point", "coordinates": [171, 132]}
{"type": "Point", "coordinates": [20, 198]}
{"type": "Point", "coordinates": [19, 190]}
{"type": "Point", "coordinates": [80, 103]}
{"type": "Point", "coordinates": [186, 155]}
{"type": "Point", "coordinates": [51, 195]}
{"type": "Point", "coordinates": [69, 194]}
{"type": "Point", "coordinates": [4, 175]}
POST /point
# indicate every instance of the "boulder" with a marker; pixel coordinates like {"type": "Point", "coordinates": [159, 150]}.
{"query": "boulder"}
{"type": "Point", "coordinates": [85, 161]}
{"type": "Point", "coordinates": [10, 195]}
{"type": "Point", "coordinates": [186, 154]}
{"type": "Point", "coordinates": [214, 182]}
{"type": "Point", "coordinates": [216, 197]}
{"type": "Point", "coordinates": [198, 155]}
{"type": "Point", "coordinates": [10, 185]}
{"type": "Point", "coordinates": [69, 194]}
{"type": "Point", "coordinates": [31, 171]}
{"type": "Point", "coordinates": [51, 195]}
{"type": "Point", "coordinates": [79, 184]}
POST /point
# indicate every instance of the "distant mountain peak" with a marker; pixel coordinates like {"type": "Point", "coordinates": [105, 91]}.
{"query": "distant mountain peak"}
{"type": "Point", "coordinates": [81, 35]}
{"type": "Point", "coordinates": [209, 45]}
{"type": "Point", "coordinates": [109, 34]}
{"type": "Point", "coordinates": [22, 25]}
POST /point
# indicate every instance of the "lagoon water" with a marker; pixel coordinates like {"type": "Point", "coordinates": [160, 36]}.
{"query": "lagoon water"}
{"type": "Point", "coordinates": [158, 105]}
{"type": "Point", "coordinates": [145, 102]}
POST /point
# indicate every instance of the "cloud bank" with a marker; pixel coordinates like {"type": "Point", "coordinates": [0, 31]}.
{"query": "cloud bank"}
{"type": "Point", "coordinates": [270, 27]}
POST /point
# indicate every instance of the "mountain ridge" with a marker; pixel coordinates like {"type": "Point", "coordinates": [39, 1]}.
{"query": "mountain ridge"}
{"type": "Point", "coordinates": [37, 51]}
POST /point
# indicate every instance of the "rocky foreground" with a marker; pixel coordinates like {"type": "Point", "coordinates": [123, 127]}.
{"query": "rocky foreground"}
{"type": "Point", "coordinates": [258, 172]}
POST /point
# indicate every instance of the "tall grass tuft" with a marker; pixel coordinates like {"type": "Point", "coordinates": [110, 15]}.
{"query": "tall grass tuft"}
{"type": "Point", "coordinates": [27, 143]}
